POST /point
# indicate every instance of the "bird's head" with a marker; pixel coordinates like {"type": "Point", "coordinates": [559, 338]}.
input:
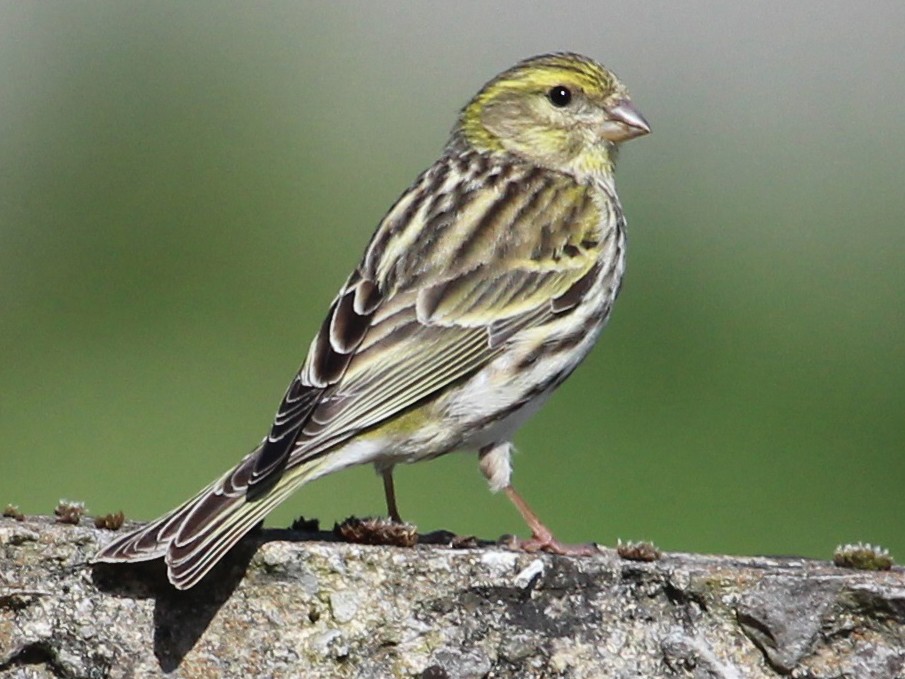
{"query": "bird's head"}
{"type": "Point", "coordinates": [561, 111]}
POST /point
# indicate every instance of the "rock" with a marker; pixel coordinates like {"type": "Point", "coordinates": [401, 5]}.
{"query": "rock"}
{"type": "Point", "coordinates": [282, 606]}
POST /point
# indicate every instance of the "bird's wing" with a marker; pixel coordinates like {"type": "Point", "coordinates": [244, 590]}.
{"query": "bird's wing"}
{"type": "Point", "coordinates": [421, 313]}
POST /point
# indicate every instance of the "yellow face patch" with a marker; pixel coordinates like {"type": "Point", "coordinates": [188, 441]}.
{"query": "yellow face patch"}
{"type": "Point", "coordinates": [536, 106]}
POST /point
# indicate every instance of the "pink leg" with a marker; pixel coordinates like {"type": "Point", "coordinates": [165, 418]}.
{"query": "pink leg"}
{"type": "Point", "coordinates": [541, 537]}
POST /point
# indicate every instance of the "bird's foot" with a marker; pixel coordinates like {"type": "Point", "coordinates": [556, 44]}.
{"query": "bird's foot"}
{"type": "Point", "coordinates": [547, 543]}
{"type": "Point", "coordinates": [542, 539]}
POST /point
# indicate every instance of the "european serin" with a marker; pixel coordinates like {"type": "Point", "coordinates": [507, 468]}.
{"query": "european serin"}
{"type": "Point", "coordinates": [482, 289]}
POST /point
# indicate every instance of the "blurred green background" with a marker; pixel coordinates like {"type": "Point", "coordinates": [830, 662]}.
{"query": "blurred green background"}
{"type": "Point", "coordinates": [183, 187]}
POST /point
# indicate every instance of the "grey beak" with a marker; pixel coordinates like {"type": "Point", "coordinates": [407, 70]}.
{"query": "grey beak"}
{"type": "Point", "coordinates": [624, 122]}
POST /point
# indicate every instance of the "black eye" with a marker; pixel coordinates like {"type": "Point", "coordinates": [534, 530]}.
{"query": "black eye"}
{"type": "Point", "coordinates": [559, 96]}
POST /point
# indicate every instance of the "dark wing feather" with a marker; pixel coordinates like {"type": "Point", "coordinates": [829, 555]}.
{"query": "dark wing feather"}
{"type": "Point", "coordinates": [343, 330]}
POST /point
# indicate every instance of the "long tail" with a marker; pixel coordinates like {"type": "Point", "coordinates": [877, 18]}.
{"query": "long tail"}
{"type": "Point", "coordinates": [197, 534]}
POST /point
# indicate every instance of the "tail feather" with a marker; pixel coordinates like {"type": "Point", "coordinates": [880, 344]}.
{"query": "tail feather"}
{"type": "Point", "coordinates": [198, 533]}
{"type": "Point", "coordinates": [152, 540]}
{"type": "Point", "coordinates": [192, 555]}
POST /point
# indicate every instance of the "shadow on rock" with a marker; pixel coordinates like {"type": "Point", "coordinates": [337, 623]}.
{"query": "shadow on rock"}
{"type": "Point", "coordinates": [180, 617]}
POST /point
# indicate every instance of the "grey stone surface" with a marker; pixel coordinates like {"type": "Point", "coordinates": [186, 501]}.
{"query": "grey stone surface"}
{"type": "Point", "coordinates": [282, 606]}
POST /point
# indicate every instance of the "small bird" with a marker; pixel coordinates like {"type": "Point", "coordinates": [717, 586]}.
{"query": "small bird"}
{"type": "Point", "coordinates": [482, 289]}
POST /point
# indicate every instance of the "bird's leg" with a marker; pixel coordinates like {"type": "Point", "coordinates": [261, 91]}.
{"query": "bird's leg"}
{"type": "Point", "coordinates": [494, 464]}
{"type": "Point", "coordinates": [389, 491]}
{"type": "Point", "coordinates": [381, 531]}
{"type": "Point", "coordinates": [541, 537]}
